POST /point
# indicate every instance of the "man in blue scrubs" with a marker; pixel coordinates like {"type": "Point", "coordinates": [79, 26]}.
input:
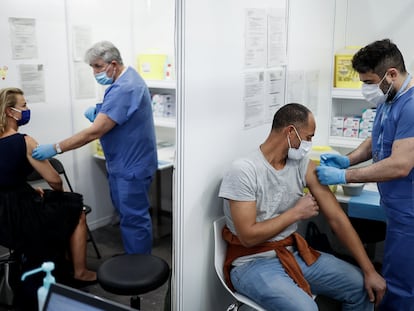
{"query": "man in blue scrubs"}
{"type": "Point", "coordinates": [124, 124]}
{"type": "Point", "coordinates": [388, 85]}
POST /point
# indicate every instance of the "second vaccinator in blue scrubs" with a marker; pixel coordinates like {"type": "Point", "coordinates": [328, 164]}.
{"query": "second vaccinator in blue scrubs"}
{"type": "Point", "coordinates": [131, 157]}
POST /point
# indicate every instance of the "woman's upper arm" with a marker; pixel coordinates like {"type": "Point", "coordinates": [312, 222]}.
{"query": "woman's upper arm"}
{"type": "Point", "coordinates": [44, 168]}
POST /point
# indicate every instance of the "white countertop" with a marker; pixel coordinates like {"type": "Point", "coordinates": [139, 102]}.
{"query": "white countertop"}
{"type": "Point", "coordinates": [166, 156]}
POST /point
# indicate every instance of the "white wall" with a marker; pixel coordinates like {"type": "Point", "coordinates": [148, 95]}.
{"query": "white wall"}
{"type": "Point", "coordinates": [210, 126]}
{"type": "Point", "coordinates": [211, 135]}
{"type": "Point", "coordinates": [127, 23]}
{"type": "Point", "coordinates": [134, 26]}
{"type": "Point", "coordinates": [310, 49]}
{"type": "Point", "coordinates": [105, 24]}
{"type": "Point", "coordinates": [358, 23]}
{"type": "Point", "coordinates": [153, 26]}
{"type": "Point", "coordinates": [362, 22]}
{"type": "Point", "coordinates": [61, 115]}
{"type": "Point", "coordinates": [51, 119]}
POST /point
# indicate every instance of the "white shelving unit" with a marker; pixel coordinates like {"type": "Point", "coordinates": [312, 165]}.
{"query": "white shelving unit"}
{"type": "Point", "coordinates": [164, 122]}
{"type": "Point", "coordinates": [347, 93]}
{"type": "Point", "coordinates": [346, 102]}
{"type": "Point", "coordinates": [163, 87]}
{"type": "Point", "coordinates": [164, 126]}
{"type": "Point", "coordinates": [161, 191]}
{"type": "Point", "coordinates": [344, 142]}
{"type": "Point", "coordinates": [161, 84]}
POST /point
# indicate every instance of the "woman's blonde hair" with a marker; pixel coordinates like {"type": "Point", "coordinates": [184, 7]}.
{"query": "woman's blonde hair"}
{"type": "Point", "coordinates": [7, 99]}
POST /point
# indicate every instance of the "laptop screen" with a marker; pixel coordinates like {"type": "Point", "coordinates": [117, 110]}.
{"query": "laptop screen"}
{"type": "Point", "coordinates": [61, 297]}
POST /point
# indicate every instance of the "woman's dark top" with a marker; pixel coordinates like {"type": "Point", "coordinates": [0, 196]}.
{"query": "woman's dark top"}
{"type": "Point", "coordinates": [38, 227]}
{"type": "Point", "coordinates": [14, 166]}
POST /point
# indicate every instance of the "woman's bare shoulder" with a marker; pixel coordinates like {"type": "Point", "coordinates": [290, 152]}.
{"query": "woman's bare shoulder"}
{"type": "Point", "coordinates": [31, 143]}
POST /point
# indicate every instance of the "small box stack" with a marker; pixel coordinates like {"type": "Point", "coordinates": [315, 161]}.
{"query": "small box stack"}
{"type": "Point", "coordinates": [163, 105]}
{"type": "Point", "coordinates": [351, 126]}
{"type": "Point", "coordinates": [367, 121]}
{"type": "Point", "coordinates": [354, 126]}
{"type": "Point", "coordinates": [337, 126]}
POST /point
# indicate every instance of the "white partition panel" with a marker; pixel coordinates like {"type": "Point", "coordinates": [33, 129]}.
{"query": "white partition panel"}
{"type": "Point", "coordinates": [211, 132]}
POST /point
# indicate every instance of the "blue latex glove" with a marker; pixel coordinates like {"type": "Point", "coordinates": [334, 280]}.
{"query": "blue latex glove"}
{"type": "Point", "coordinates": [43, 152]}
{"type": "Point", "coordinates": [334, 160]}
{"type": "Point", "coordinates": [330, 175]}
{"type": "Point", "coordinates": [90, 113]}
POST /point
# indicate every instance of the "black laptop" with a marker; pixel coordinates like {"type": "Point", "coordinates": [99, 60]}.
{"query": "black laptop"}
{"type": "Point", "coordinates": [64, 298]}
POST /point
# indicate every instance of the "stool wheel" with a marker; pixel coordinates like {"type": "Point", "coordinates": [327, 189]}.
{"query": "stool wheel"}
{"type": "Point", "coordinates": [133, 274]}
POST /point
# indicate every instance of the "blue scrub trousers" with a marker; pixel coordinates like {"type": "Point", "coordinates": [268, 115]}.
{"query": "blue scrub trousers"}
{"type": "Point", "coordinates": [397, 265]}
{"type": "Point", "coordinates": [131, 199]}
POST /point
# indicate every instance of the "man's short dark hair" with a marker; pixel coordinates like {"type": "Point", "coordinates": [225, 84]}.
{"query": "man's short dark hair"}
{"type": "Point", "coordinates": [293, 113]}
{"type": "Point", "coordinates": [378, 57]}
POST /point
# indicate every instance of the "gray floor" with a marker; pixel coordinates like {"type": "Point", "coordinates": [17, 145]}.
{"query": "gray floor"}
{"type": "Point", "coordinates": [109, 243]}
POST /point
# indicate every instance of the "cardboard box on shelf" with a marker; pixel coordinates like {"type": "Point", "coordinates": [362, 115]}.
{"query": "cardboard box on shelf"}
{"type": "Point", "coordinates": [365, 133]}
{"type": "Point", "coordinates": [337, 131]}
{"type": "Point", "coordinates": [369, 114]}
{"type": "Point", "coordinates": [350, 132]}
{"type": "Point", "coordinates": [337, 122]}
{"type": "Point", "coordinates": [352, 122]}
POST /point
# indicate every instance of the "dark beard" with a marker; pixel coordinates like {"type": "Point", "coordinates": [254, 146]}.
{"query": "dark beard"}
{"type": "Point", "coordinates": [391, 94]}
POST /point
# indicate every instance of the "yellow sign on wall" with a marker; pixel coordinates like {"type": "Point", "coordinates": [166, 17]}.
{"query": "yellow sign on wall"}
{"type": "Point", "coordinates": [152, 66]}
{"type": "Point", "coordinates": [345, 76]}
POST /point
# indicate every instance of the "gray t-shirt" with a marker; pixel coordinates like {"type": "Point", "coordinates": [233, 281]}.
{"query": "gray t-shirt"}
{"type": "Point", "coordinates": [274, 191]}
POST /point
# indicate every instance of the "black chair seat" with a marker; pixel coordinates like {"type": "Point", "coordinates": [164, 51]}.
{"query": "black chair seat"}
{"type": "Point", "coordinates": [58, 166]}
{"type": "Point", "coordinates": [133, 274]}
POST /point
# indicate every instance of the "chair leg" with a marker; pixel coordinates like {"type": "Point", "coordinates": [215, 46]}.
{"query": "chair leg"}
{"type": "Point", "coordinates": [91, 239]}
{"type": "Point", "coordinates": [135, 303]}
{"type": "Point", "coordinates": [235, 306]}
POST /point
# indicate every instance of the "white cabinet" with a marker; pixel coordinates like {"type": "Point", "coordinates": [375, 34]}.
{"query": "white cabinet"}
{"type": "Point", "coordinates": [164, 126]}
{"type": "Point", "coordinates": [346, 103]}
{"type": "Point", "coordinates": [165, 88]}
{"type": "Point", "coordinates": [165, 129]}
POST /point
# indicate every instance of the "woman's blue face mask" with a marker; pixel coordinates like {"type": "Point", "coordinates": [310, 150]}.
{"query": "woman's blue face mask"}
{"type": "Point", "coordinates": [25, 116]}
{"type": "Point", "coordinates": [103, 79]}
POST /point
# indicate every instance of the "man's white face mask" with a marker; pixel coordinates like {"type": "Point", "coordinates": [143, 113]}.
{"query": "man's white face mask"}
{"type": "Point", "coordinates": [373, 93]}
{"type": "Point", "coordinates": [304, 148]}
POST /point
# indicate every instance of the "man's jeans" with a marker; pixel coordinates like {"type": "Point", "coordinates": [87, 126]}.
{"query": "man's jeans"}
{"type": "Point", "coordinates": [265, 281]}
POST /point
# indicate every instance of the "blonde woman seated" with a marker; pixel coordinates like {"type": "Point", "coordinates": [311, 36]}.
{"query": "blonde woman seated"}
{"type": "Point", "coordinates": [41, 225]}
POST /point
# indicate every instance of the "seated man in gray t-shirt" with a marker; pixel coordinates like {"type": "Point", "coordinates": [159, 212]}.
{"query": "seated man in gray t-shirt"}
{"type": "Point", "coordinates": [263, 203]}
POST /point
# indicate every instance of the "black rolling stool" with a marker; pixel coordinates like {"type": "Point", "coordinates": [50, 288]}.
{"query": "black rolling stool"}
{"type": "Point", "coordinates": [133, 275]}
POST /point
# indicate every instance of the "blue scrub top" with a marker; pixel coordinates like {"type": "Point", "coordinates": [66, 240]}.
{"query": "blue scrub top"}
{"type": "Point", "coordinates": [398, 124]}
{"type": "Point", "coordinates": [130, 147]}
